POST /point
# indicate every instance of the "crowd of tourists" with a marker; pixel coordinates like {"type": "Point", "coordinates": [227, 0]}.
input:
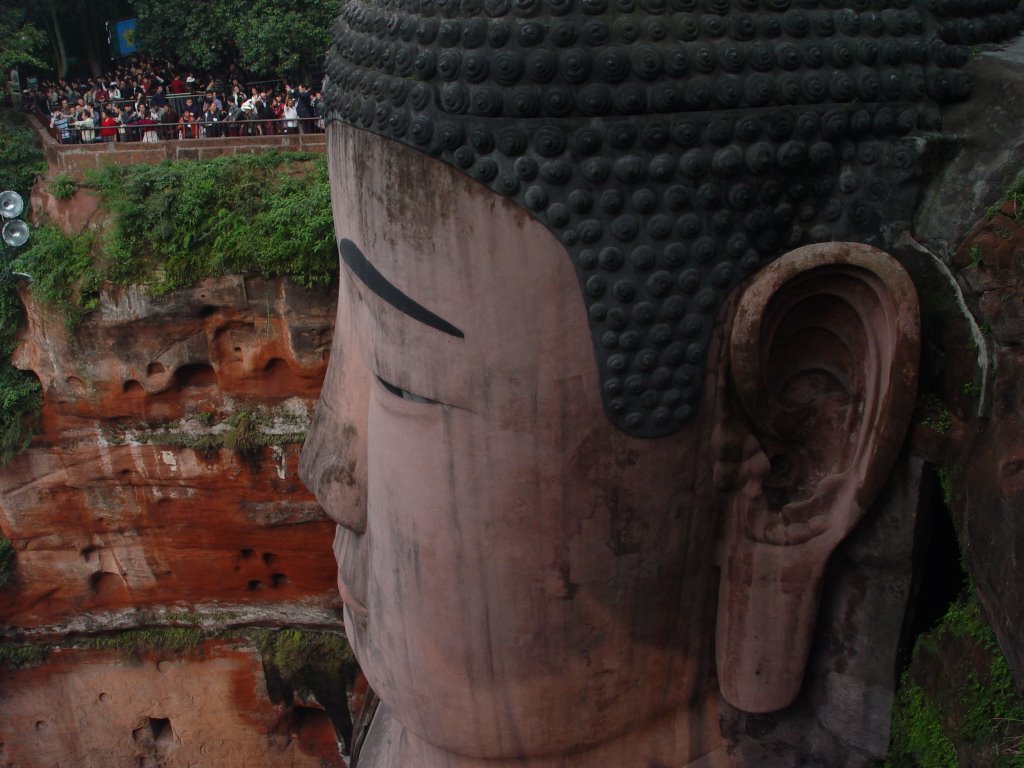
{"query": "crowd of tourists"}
{"type": "Point", "coordinates": [138, 101]}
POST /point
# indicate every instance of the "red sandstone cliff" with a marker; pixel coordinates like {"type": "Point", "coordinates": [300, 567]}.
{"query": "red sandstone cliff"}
{"type": "Point", "coordinates": [161, 490]}
{"type": "Point", "coordinates": [164, 474]}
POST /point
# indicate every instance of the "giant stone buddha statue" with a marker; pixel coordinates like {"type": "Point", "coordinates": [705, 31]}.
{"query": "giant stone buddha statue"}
{"type": "Point", "coordinates": [620, 358]}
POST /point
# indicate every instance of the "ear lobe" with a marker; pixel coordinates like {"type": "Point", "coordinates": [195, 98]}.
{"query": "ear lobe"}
{"type": "Point", "coordinates": [823, 361]}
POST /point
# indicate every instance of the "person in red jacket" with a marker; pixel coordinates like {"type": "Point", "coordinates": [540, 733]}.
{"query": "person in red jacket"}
{"type": "Point", "coordinates": [108, 127]}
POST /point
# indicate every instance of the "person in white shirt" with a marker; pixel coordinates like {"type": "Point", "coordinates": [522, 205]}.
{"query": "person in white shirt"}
{"type": "Point", "coordinates": [291, 117]}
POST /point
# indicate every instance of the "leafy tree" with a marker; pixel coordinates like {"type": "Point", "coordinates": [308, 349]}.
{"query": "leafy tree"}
{"type": "Point", "coordinates": [20, 40]}
{"type": "Point", "coordinates": [21, 159]}
{"type": "Point", "coordinates": [262, 36]}
{"type": "Point", "coordinates": [72, 29]}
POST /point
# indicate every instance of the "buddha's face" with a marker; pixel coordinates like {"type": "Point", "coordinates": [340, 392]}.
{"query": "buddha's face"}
{"type": "Point", "coordinates": [520, 576]}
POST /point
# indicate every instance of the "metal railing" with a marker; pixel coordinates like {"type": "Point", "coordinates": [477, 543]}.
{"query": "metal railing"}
{"type": "Point", "coordinates": [180, 130]}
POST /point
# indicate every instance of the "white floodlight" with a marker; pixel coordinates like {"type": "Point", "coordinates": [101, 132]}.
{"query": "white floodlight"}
{"type": "Point", "coordinates": [11, 204]}
{"type": "Point", "coordinates": [15, 232]}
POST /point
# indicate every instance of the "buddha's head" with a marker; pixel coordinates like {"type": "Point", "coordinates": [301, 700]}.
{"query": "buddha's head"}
{"type": "Point", "coordinates": [619, 356]}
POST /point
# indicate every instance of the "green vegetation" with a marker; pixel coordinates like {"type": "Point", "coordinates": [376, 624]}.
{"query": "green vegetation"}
{"type": "Point", "coordinates": [20, 41]}
{"type": "Point", "coordinates": [263, 36]}
{"type": "Point", "coordinates": [933, 414]}
{"type": "Point", "coordinates": [21, 160]}
{"type": "Point", "coordinates": [178, 222]}
{"type": "Point", "coordinates": [291, 652]}
{"type": "Point", "coordinates": [295, 652]}
{"type": "Point", "coordinates": [918, 739]}
{"type": "Point", "coordinates": [134, 643]}
{"type": "Point", "coordinates": [946, 483]}
{"type": "Point", "coordinates": [63, 187]}
{"type": "Point", "coordinates": [976, 257]}
{"type": "Point", "coordinates": [23, 655]}
{"type": "Point", "coordinates": [173, 224]}
{"type": "Point", "coordinates": [246, 431]}
{"type": "Point", "coordinates": [62, 271]}
{"type": "Point", "coordinates": [20, 393]}
{"type": "Point", "coordinates": [6, 561]}
{"type": "Point", "coordinates": [982, 713]}
{"type": "Point", "coordinates": [21, 157]}
{"type": "Point", "coordinates": [1015, 195]}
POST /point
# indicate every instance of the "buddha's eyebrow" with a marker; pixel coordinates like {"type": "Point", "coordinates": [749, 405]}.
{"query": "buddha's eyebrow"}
{"type": "Point", "coordinates": [376, 282]}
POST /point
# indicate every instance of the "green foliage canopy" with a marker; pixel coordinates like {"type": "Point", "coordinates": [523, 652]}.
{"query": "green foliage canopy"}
{"type": "Point", "coordinates": [980, 713]}
{"type": "Point", "coordinates": [21, 159]}
{"type": "Point", "coordinates": [173, 224]}
{"type": "Point", "coordinates": [176, 223]}
{"type": "Point", "coordinates": [179, 222]}
{"type": "Point", "coordinates": [265, 37]}
{"type": "Point", "coordinates": [6, 561]}
{"type": "Point", "coordinates": [20, 393]}
{"type": "Point", "coordinates": [20, 40]}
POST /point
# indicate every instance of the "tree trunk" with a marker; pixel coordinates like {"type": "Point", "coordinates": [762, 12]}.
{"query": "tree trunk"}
{"type": "Point", "coordinates": [87, 29]}
{"type": "Point", "coordinates": [57, 41]}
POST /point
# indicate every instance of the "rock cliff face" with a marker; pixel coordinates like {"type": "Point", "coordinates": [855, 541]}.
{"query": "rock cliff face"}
{"type": "Point", "coordinates": [966, 220]}
{"type": "Point", "coordinates": [161, 491]}
{"type": "Point", "coordinates": [165, 471]}
{"type": "Point", "coordinates": [91, 708]}
{"type": "Point", "coordinates": [987, 480]}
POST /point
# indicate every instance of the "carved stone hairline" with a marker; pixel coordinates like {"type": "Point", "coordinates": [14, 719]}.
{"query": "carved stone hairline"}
{"type": "Point", "coordinates": [673, 147]}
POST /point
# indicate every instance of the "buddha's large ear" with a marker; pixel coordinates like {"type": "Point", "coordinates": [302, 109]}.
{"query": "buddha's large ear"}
{"type": "Point", "coordinates": [823, 359]}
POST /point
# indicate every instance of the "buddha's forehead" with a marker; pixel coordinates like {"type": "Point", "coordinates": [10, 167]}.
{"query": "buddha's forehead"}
{"type": "Point", "coordinates": [673, 146]}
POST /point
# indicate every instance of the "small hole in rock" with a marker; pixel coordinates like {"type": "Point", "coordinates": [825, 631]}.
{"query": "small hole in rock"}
{"type": "Point", "coordinates": [279, 580]}
{"type": "Point", "coordinates": [154, 734]}
{"type": "Point", "coordinates": [196, 375]}
{"type": "Point", "coordinates": [275, 365]}
{"type": "Point", "coordinates": [254, 585]}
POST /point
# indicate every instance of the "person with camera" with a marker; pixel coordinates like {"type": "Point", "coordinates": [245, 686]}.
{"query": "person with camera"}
{"type": "Point", "coordinates": [61, 122]}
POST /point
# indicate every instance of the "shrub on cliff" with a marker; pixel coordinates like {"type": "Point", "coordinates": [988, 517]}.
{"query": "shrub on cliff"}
{"type": "Point", "coordinates": [178, 222]}
{"type": "Point", "coordinates": [172, 225]}
{"type": "Point", "coordinates": [958, 703]}
{"type": "Point", "coordinates": [62, 270]}
{"type": "Point", "coordinates": [6, 561]}
{"type": "Point", "coordinates": [294, 653]}
{"type": "Point", "coordinates": [21, 157]}
{"type": "Point", "coordinates": [20, 400]}
{"type": "Point", "coordinates": [21, 160]}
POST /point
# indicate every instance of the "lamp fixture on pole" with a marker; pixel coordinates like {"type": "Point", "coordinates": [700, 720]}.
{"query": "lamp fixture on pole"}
{"type": "Point", "coordinates": [15, 232]}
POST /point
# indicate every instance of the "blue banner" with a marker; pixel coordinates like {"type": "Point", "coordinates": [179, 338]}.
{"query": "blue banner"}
{"type": "Point", "coordinates": [126, 37]}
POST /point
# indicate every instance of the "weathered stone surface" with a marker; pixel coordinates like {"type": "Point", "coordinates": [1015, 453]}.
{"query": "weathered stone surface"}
{"type": "Point", "coordinates": [980, 153]}
{"type": "Point", "coordinates": [92, 709]}
{"type": "Point", "coordinates": [577, 568]}
{"type": "Point", "coordinates": [70, 215]}
{"type": "Point", "coordinates": [165, 471]}
{"type": "Point", "coordinates": [987, 468]}
{"type": "Point", "coordinates": [842, 715]}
